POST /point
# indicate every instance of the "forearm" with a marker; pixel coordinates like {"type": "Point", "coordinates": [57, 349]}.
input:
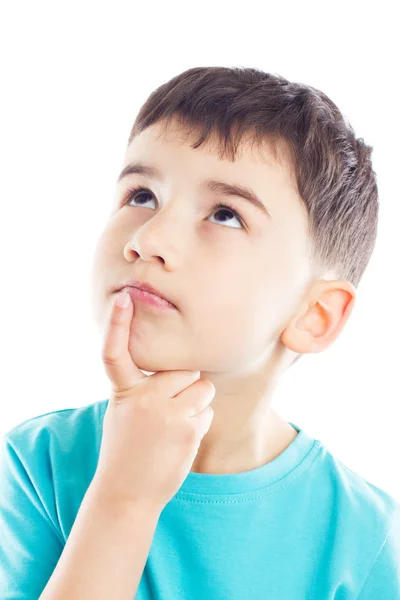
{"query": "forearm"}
{"type": "Point", "coordinates": [105, 553]}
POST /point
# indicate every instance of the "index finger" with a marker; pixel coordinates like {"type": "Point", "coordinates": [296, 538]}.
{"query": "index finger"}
{"type": "Point", "coordinates": [119, 365]}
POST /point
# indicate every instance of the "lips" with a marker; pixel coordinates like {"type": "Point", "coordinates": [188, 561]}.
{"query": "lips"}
{"type": "Point", "coordinates": [146, 287]}
{"type": "Point", "coordinates": [148, 300]}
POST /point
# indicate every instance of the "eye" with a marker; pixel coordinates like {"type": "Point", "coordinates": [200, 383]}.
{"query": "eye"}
{"type": "Point", "coordinates": [134, 193]}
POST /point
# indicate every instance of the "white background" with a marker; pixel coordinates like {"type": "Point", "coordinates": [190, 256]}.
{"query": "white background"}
{"type": "Point", "coordinates": [73, 77]}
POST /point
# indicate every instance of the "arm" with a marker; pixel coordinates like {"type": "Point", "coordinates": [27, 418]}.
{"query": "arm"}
{"type": "Point", "coordinates": [106, 551]}
{"type": "Point", "coordinates": [30, 539]}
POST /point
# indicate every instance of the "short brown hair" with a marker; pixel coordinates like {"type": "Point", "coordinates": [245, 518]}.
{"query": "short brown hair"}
{"type": "Point", "coordinates": [332, 168]}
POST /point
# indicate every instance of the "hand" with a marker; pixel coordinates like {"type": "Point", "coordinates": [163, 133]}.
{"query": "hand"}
{"type": "Point", "coordinates": [153, 425]}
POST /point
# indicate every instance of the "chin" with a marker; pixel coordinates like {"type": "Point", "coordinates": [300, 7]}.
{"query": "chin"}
{"type": "Point", "coordinates": [149, 360]}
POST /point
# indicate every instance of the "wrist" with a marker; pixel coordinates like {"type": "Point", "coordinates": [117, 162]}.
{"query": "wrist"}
{"type": "Point", "coordinates": [131, 509]}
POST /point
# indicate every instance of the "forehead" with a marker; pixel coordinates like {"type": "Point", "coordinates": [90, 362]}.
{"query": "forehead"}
{"type": "Point", "coordinates": [173, 140]}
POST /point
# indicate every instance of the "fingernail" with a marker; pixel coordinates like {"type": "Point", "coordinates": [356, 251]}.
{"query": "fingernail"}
{"type": "Point", "coordinates": [123, 300]}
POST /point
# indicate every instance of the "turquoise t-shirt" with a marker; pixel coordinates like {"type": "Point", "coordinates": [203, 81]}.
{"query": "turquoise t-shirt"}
{"type": "Point", "coordinates": [301, 527]}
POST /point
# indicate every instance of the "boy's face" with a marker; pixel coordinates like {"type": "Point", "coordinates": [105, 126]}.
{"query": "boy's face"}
{"type": "Point", "coordinates": [236, 286]}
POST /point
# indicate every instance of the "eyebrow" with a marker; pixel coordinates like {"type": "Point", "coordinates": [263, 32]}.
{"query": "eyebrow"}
{"type": "Point", "coordinates": [226, 189]}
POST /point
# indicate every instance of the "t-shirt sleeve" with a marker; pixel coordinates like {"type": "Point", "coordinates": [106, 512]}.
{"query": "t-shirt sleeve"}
{"type": "Point", "coordinates": [383, 580]}
{"type": "Point", "coordinates": [30, 543]}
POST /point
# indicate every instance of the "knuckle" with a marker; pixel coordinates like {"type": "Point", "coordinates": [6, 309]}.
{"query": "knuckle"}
{"type": "Point", "coordinates": [211, 386]}
{"type": "Point", "coordinates": [207, 387]}
{"type": "Point", "coordinates": [120, 394]}
{"type": "Point", "coordinates": [129, 392]}
{"type": "Point", "coordinates": [108, 357]}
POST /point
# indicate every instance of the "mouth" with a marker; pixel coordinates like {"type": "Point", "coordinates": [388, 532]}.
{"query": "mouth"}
{"type": "Point", "coordinates": [148, 299]}
{"type": "Point", "coordinates": [144, 287]}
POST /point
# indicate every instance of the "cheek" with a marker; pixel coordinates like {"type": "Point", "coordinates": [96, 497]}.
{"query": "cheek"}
{"type": "Point", "coordinates": [228, 329]}
{"type": "Point", "coordinates": [102, 259]}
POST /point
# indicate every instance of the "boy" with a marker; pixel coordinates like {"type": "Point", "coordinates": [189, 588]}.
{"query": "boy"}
{"type": "Point", "coordinates": [118, 499]}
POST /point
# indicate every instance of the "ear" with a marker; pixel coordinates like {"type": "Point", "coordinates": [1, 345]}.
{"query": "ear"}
{"type": "Point", "coordinates": [322, 317]}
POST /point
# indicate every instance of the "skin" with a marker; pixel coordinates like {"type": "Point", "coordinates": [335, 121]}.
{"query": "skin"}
{"type": "Point", "coordinates": [248, 301]}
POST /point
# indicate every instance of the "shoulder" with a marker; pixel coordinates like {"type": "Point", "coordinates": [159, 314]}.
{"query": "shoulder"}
{"type": "Point", "coordinates": [366, 520]}
{"type": "Point", "coordinates": [51, 447]}
{"type": "Point", "coordinates": [61, 426]}
{"type": "Point", "coordinates": [363, 499]}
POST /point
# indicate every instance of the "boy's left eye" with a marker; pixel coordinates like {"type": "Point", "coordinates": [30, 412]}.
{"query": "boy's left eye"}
{"type": "Point", "coordinates": [133, 193]}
